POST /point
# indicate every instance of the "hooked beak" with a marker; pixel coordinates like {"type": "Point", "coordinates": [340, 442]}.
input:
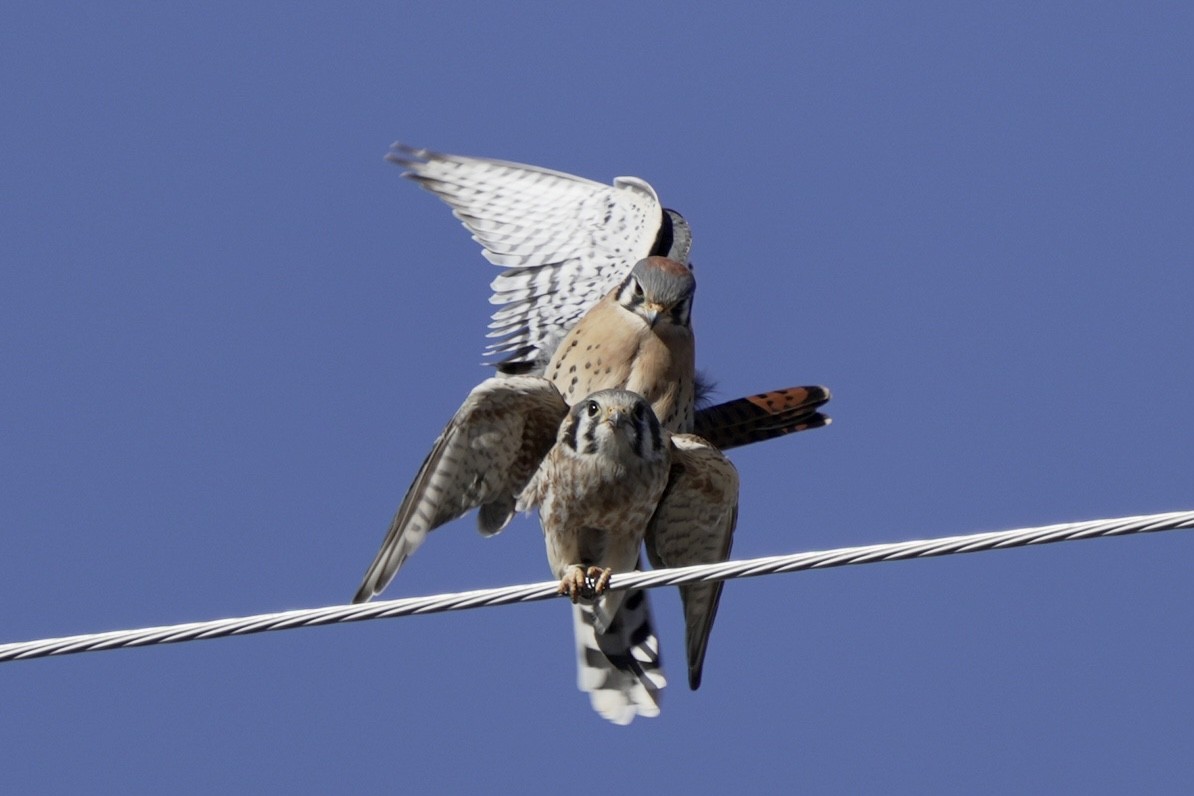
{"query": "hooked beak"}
{"type": "Point", "coordinates": [616, 417]}
{"type": "Point", "coordinates": [653, 312]}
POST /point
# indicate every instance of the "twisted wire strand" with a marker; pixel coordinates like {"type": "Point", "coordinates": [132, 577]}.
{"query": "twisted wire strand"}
{"type": "Point", "coordinates": [869, 554]}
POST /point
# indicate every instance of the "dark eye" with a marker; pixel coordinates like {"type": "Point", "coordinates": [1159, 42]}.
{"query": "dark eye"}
{"type": "Point", "coordinates": [592, 408]}
{"type": "Point", "coordinates": [638, 289]}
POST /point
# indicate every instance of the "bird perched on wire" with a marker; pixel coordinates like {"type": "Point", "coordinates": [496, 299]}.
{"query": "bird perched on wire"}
{"type": "Point", "coordinates": [637, 337]}
{"type": "Point", "coordinates": [613, 480]}
{"type": "Point", "coordinates": [568, 245]}
{"type": "Point", "coordinates": [596, 491]}
{"type": "Point", "coordinates": [605, 476]}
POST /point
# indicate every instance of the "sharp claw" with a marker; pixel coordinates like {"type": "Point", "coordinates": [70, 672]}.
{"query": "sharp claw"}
{"type": "Point", "coordinates": [573, 583]}
{"type": "Point", "coordinates": [600, 578]}
{"type": "Point", "coordinates": [580, 583]}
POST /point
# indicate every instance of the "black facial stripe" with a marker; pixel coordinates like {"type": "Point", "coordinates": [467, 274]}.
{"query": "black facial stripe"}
{"type": "Point", "coordinates": [590, 438]}
{"type": "Point", "coordinates": [626, 294]}
{"type": "Point", "coordinates": [656, 437]}
{"type": "Point", "coordinates": [570, 434]}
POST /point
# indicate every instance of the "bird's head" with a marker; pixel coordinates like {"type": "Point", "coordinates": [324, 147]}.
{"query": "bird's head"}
{"type": "Point", "coordinates": [614, 423]}
{"type": "Point", "coordinates": [659, 290]}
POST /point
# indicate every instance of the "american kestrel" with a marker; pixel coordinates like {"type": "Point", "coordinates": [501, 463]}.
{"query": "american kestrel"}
{"type": "Point", "coordinates": [614, 479]}
{"type": "Point", "coordinates": [605, 475]}
{"type": "Point", "coordinates": [567, 244]}
{"type": "Point", "coordinates": [596, 492]}
{"type": "Point", "coordinates": [636, 337]}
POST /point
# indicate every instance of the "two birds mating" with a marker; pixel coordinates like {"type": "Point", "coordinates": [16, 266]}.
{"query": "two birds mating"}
{"type": "Point", "coordinates": [593, 417]}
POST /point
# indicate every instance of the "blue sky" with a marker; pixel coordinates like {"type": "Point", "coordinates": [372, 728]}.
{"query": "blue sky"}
{"type": "Point", "coordinates": [229, 333]}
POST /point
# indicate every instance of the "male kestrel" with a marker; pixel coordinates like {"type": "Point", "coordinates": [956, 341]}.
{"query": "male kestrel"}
{"type": "Point", "coordinates": [569, 245]}
{"type": "Point", "coordinates": [637, 338]}
{"type": "Point", "coordinates": [565, 242]}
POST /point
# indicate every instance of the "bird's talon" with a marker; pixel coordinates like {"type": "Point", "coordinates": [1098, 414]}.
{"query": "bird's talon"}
{"type": "Point", "coordinates": [600, 579]}
{"type": "Point", "coordinates": [580, 583]}
{"type": "Point", "coordinates": [573, 583]}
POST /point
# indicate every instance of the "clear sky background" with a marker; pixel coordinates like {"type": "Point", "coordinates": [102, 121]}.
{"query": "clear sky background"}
{"type": "Point", "coordinates": [229, 333]}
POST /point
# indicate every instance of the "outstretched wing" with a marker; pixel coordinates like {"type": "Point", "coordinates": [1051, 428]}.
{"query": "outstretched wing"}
{"type": "Point", "coordinates": [564, 241]}
{"type": "Point", "coordinates": [483, 458]}
{"type": "Point", "coordinates": [761, 417]}
{"type": "Point", "coordinates": [694, 524]}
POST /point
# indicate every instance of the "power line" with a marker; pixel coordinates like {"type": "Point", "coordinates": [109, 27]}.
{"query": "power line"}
{"type": "Point", "coordinates": [796, 562]}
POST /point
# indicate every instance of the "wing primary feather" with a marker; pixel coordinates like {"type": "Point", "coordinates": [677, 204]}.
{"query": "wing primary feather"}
{"type": "Point", "coordinates": [694, 524]}
{"type": "Point", "coordinates": [483, 458]}
{"type": "Point", "coordinates": [578, 238]}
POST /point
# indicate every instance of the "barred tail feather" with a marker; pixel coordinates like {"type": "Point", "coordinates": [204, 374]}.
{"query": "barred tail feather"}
{"type": "Point", "coordinates": [762, 417]}
{"type": "Point", "coordinates": [620, 669]}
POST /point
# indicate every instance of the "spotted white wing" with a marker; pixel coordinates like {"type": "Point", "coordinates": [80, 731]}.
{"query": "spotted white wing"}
{"type": "Point", "coordinates": [694, 524]}
{"type": "Point", "coordinates": [564, 241]}
{"type": "Point", "coordinates": [483, 459]}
